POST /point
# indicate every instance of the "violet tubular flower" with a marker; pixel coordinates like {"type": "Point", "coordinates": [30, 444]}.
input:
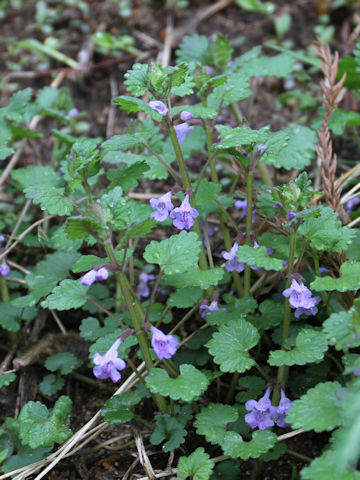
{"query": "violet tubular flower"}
{"type": "Point", "coordinates": [143, 289]}
{"type": "Point", "coordinates": [186, 116]}
{"type": "Point", "coordinates": [300, 298]}
{"type": "Point", "coordinates": [284, 405]}
{"type": "Point", "coordinates": [261, 412]}
{"type": "Point", "coordinates": [4, 269]}
{"type": "Point", "coordinates": [209, 308]}
{"type": "Point", "coordinates": [162, 207]}
{"type": "Point", "coordinates": [232, 263]}
{"type": "Point", "coordinates": [159, 107]}
{"type": "Point", "coordinates": [94, 275]}
{"type": "Point", "coordinates": [182, 131]}
{"type": "Point", "coordinates": [164, 345]}
{"type": "Point", "coordinates": [109, 364]}
{"type": "Point", "coordinates": [242, 206]}
{"type": "Point", "coordinates": [183, 216]}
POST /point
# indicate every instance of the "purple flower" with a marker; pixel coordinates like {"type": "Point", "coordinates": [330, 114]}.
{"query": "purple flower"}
{"type": "Point", "coordinates": [107, 366]}
{"type": "Point", "coordinates": [182, 131]}
{"type": "Point", "coordinates": [185, 116]}
{"type": "Point", "coordinates": [290, 215]}
{"type": "Point", "coordinates": [278, 205]}
{"type": "Point", "coordinates": [163, 206]}
{"type": "Point", "coordinates": [2, 239]}
{"type": "Point", "coordinates": [93, 275]}
{"type": "Point", "coordinates": [210, 308]}
{"type": "Point", "coordinates": [209, 70]}
{"type": "Point", "coordinates": [74, 112]}
{"type": "Point", "coordinates": [231, 63]}
{"type": "Point", "coordinates": [353, 203]}
{"type": "Point", "coordinates": [261, 412]}
{"type": "Point", "coordinates": [142, 289]}
{"type": "Point", "coordinates": [241, 205]}
{"type": "Point", "coordinates": [232, 263]}
{"type": "Point", "coordinates": [184, 215]}
{"type": "Point", "coordinates": [300, 297]}
{"type": "Point", "coordinates": [4, 269]}
{"type": "Point", "coordinates": [159, 107]}
{"type": "Point", "coordinates": [356, 372]}
{"type": "Point", "coordinates": [284, 405]}
{"type": "Point", "coordinates": [323, 270]}
{"type": "Point", "coordinates": [164, 345]}
{"type": "Point", "coordinates": [261, 148]}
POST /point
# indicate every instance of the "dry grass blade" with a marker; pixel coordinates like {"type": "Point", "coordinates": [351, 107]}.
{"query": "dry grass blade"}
{"type": "Point", "coordinates": [144, 459]}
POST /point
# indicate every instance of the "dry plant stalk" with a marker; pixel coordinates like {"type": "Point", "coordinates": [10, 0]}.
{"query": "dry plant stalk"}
{"type": "Point", "coordinates": [333, 94]}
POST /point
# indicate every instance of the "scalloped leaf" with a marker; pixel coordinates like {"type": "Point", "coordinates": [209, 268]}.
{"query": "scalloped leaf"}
{"type": "Point", "coordinates": [340, 331]}
{"type": "Point", "coordinates": [310, 347]}
{"type": "Point", "coordinates": [258, 257]}
{"type": "Point", "coordinates": [69, 294]}
{"type": "Point", "coordinates": [319, 409]}
{"type": "Point", "coordinates": [349, 280]}
{"type": "Point", "coordinates": [351, 362]}
{"type": "Point", "coordinates": [198, 110]}
{"type": "Point", "coordinates": [51, 384]}
{"type": "Point", "coordinates": [134, 105]}
{"type": "Point", "coordinates": [185, 297]}
{"type": "Point", "coordinates": [261, 442]}
{"type": "Point", "coordinates": [195, 278]}
{"type": "Point", "coordinates": [176, 254]}
{"type": "Point", "coordinates": [6, 379]}
{"type": "Point", "coordinates": [137, 79]}
{"type": "Point", "coordinates": [90, 328]}
{"type": "Point", "coordinates": [197, 466]}
{"type": "Point", "coordinates": [170, 429]}
{"type": "Point", "coordinates": [64, 362]}
{"type": "Point", "coordinates": [230, 346]}
{"type": "Point", "coordinates": [117, 409]}
{"type": "Point", "coordinates": [277, 66]}
{"type": "Point", "coordinates": [36, 174]}
{"type": "Point", "coordinates": [326, 467]}
{"type": "Point", "coordinates": [190, 384]}
{"type": "Point", "coordinates": [50, 198]}
{"type": "Point", "coordinates": [252, 385]}
{"type": "Point", "coordinates": [194, 48]}
{"type": "Point", "coordinates": [212, 420]}
{"type": "Point", "coordinates": [40, 428]}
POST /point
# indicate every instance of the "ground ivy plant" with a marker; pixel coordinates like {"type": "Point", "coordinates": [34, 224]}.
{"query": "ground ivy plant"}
{"type": "Point", "coordinates": [229, 294]}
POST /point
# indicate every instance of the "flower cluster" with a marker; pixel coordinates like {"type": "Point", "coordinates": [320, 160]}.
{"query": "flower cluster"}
{"type": "Point", "coordinates": [183, 216]}
{"type": "Point", "coordinates": [164, 345]}
{"type": "Point", "coordinates": [264, 415]}
{"type": "Point", "coordinates": [94, 275]}
{"type": "Point", "coordinates": [300, 298]}
{"type": "Point", "coordinates": [109, 364]}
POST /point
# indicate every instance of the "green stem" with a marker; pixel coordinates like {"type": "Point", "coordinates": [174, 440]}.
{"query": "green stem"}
{"type": "Point", "coordinates": [284, 369]}
{"type": "Point", "coordinates": [265, 174]}
{"type": "Point", "coordinates": [4, 290]}
{"type": "Point", "coordinates": [249, 195]}
{"type": "Point", "coordinates": [172, 172]}
{"type": "Point", "coordinates": [152, 296]}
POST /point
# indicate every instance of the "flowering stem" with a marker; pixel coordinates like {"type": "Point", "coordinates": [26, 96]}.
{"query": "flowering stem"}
{"type": "Point", "coordinates": [137, 318]}
{"type": "Point", "coordinates": [4, 290]}
{"type": "Point", "coordinates": [152, 296]}
{"type": "Point", "coordinates": [187, 186]}
{"type": "Point", "coordinates": [249, 195]}
{"type": "Point", "coordinates": [284, 369]}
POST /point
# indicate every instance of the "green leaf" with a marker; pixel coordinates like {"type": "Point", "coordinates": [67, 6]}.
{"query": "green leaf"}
{"type": "Point", "coordinates": [252, 385]}
{"type": "Point", "coordinates": [221, 51]}
{"type": "Point", "coordinates": [198, 110]}
{"type": "Point", "coordinates": [261, 442]}
{"type": "Point", "coordinates": [272, 314]}
{"type": "Point", "coordinates": [69, 294]}
{"type": "Point", "coordinates": [340, 331]}
{"type": "Point", "coordinates": [170, 429]}
{"type": "Point", "coordinates": [40, 428]}
{"type": "Point", "coordinates": [342, 118]}
{"type": "Point", "coordinates": [197, 466]}
{"type": "Point", "coordinates": [117, 409]}
{"type": "Point", "coordinates": [18, 105]}
{"type": "Point", "coordinates": [103, 344]}
{"type": "Point", "coordinates": [212, 420]}
{"type": "Point", "coordinates": [50, 198]}
{"type": "Point", "coordinates": [230, 346]}
{"type": "Point", "coordinates": [195, 278]}
{"type": "Point", "coordinates": [185, 297]}
{"type": "Point", "coordinates": [137, 79]}
{"type": "Point", "coordinates": [117, 209]}
{"type": "Point", "coordinates": [298, 151]}
{"type": "Point", "coordinates": [258, 257]}
{"type": "Point", "coordinates": [64, 362]}
{"type": "Point", "coordinates": [349, 280]}
{"type": "Point", "coordinates": [134, 105]}
{"type": "Point", "coordinates": [190, 384]}
{"type": "Point", "coordinates": [318, 409]}
{"type": "Point", "coordinates": [351, 362]}
{"type": "Point", "coordinates": [176, 254]}
{"type": "Point", "coordinates": [325, 231]}
{"type": "Point", "coordinates": [10, 317]}
{"type": "Point", "coordinates": [194, 48]}
{"type": "Point", "coordinates": [123, 142]}
{"type": "Point", "coordinates": [219, 317]}
{"type": "Point", "coordinates": [310, 347]}
{"type": "Point", "coordinates": [326, 467]}
{"type": "Point", "coordinates": [36, 175]}
{"type": "Point", "coordinates": [240, 136]}
{"type": "Point", "coordinates": [90, 328]}
{"type": "Point", "coordinates": [279, 66]}
{"type": "Point", "coordinates": [5, 152]}
{"type": "Point", "coordinates": [6, 379]}
{"type": "Point", "coordinates": [51, 384]}
{"type": "Point", "coordinates": [126, 176]}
